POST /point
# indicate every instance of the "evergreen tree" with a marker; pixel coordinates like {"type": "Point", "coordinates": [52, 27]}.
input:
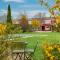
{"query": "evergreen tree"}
{"type": "Point", "coordinates": [9, 20]}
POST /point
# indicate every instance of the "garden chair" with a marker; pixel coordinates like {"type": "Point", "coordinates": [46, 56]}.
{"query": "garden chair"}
{"type": "Point", "coordinates": [18, 50]}
{"type": "Point", "coordinates": [29, 52]}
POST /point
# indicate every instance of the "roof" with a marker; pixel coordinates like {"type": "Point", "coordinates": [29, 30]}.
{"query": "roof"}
{"type": "Point", "coordinates": [45, 18]}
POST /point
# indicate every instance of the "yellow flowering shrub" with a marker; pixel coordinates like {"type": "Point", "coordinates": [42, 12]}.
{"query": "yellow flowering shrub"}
{"type": "Point", "coordinates": [58, 19]}
{"type": "Point", "coordinates": [52, 52]}
{"type": "Point", "coordinates": [2, 28]}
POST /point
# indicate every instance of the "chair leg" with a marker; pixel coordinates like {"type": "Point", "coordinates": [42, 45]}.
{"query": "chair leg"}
{"type": "Point", "coordinates": [20, 56]}
{"type": "Point", "coordinates": [16, 57]}
{"type": "Point", "coordinates": [28, 56]}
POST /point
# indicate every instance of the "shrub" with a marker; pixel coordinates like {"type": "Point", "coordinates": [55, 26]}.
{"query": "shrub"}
{"type": "Point", "coordinates": [13, 29]}
{"type": "Point", "coordinates": [58, 27]}
{"type": "Point", "coordinates": [52, 52]}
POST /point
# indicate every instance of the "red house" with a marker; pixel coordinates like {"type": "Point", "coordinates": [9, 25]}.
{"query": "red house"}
{"type": "Point", "coordinates": [46, 23]}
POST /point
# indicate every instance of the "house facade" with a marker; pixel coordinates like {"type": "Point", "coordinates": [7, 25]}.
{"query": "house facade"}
{"type": "Point", "coordinates": [46, 23]}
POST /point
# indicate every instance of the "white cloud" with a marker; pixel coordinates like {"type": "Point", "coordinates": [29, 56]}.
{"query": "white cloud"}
{"type": "Point", "coordinates": [3, 12]}
{"type": "Point", "coordinates": [35, 12]}
{"type": "Point", "coordinates": [30, 14]}
{"type": "Point", "coordinates": [47, 14]}
{"type": "Point", "coordinates": [19, 1]}
{"type": "Point", "coordinates": [14, 13]}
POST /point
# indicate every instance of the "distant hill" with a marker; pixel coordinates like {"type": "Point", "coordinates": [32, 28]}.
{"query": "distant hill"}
{"type": "Point", "coordinates": [3, 19]}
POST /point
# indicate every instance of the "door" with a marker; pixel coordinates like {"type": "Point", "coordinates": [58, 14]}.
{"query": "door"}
{"type": "Point", "coordinates": [43, 28]}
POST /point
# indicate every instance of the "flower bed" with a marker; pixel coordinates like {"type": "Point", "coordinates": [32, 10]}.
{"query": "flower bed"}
{"type": "Point", "coordinates": [52, 52]}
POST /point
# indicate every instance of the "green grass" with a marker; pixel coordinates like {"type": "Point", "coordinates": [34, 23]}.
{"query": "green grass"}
{"type": "Point", "coordinates": [50, 38]}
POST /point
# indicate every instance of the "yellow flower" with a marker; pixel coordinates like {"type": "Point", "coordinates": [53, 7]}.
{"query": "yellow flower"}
{"type": "Point", "coordinates": [52, 57]}
{"type": "Point", "coordinates": [46, 51]}
{"type": "Point", "coordinates": [50, 48]}
{"type": "Point", "coordinates": [58, 49]}
{"type": "Point", "coordinates": [48, 54]}
{"type": "Point", "coordinates": [55, 46]}
{"type": "Point", "coordinates": [2, 28]}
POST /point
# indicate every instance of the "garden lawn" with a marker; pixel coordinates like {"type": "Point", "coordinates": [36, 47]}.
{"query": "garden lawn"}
{"type": "Point", "coordinates": [42, 38]}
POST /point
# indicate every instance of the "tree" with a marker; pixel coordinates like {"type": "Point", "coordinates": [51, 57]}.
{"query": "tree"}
{"type": "Point", "coordinates": [24, 23]}
{"type": "Point", "coordinates": [35, 24]}
{"type": "Point", "coordinates": [53, 10]}
{"type": "Point", "coordinates": [9, 19]}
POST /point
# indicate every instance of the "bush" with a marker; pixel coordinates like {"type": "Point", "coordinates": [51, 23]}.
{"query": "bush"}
{"type": "Point", "coordinates": [13, 29]}
{"type": "Point", "coordinates": [58, 27]}
{"type": "Point", "coordinates": [52, 52]}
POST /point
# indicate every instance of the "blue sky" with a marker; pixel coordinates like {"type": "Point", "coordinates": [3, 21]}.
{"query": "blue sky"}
{"type": "Point", "coordinates": [31, 7]}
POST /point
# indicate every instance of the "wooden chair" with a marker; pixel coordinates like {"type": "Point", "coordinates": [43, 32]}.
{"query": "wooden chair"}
{"type": "Point", "coordinates": [18, 50]}
{"type": "Point", "coordinates": [29, 52]}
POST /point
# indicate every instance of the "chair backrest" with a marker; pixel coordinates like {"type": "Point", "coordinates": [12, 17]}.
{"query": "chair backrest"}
{"type": "Point", "coordinates": [18, 45]}
{"type": "Point", "coordinates": [35, 46]}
